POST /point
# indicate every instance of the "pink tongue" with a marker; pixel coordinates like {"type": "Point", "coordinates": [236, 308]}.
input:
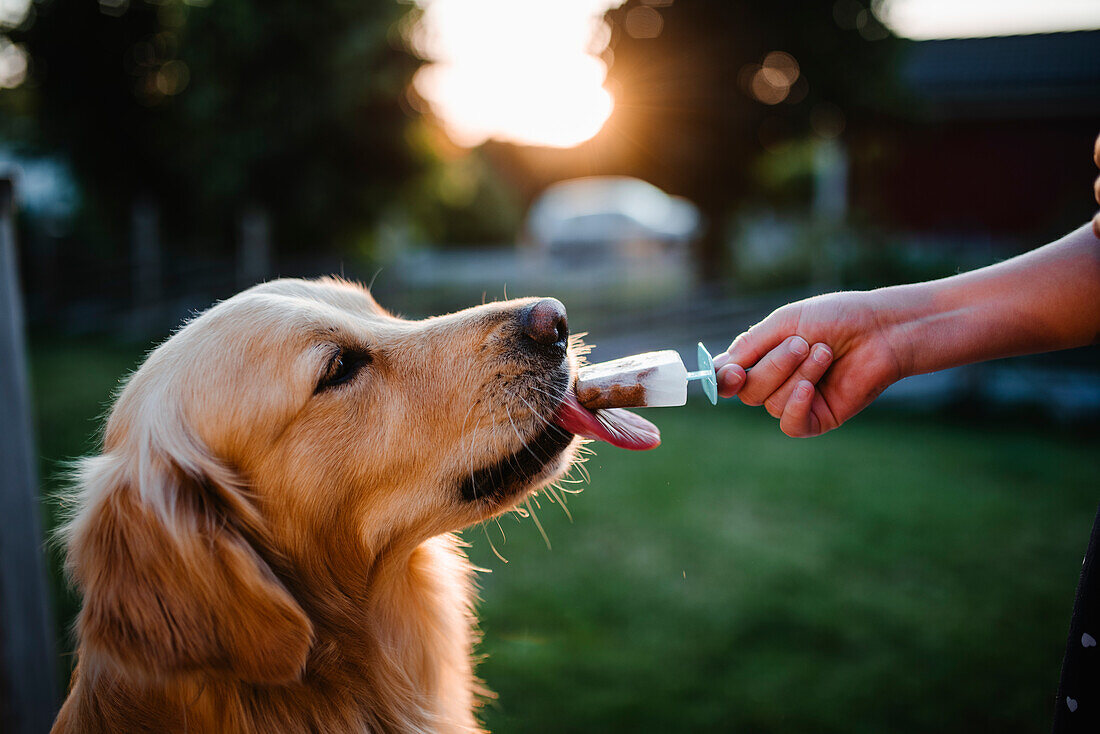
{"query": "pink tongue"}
{"type": "Point", "coordinates": [616, 426]}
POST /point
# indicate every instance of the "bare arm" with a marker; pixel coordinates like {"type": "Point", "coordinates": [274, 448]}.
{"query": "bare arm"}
{"type": "Point", "coordinates": [1044, 300]}
{"type": "Point", "coordinates": [864, 341]}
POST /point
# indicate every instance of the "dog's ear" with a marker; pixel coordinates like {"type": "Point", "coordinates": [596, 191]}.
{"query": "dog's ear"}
{"type": "Point", "coordinates": [170, 579]}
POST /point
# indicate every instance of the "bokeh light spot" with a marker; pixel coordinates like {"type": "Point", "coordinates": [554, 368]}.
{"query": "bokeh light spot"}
{"type": "Point", "coordinates": [172, 78]}
{"type": "Point", "coordinates": [13, 64]}
{"type": "Point", "coordinates": [766, 89]}
{"type": "Point", "coordinates": [783, 66]}
{"type": "Point", "coordinates": [13, 12]}
{"type": "Point", "coordinates": [643, 22]}
{"type": "Point", "coordinates": [771, 82]}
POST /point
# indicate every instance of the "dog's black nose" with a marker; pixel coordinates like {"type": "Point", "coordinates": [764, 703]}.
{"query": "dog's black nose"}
{"type": "Point", "coordinates": [544, 323]}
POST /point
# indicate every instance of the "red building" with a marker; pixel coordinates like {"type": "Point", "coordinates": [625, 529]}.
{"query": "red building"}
{"type": "Point", "coordinates": [997, 140]}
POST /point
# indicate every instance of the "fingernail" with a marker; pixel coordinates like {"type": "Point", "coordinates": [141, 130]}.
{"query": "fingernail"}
{"type": "Point", "coordinates": [803, 391]}
{"type": "Point", "coordinates": [731, 377]}
{"type": "Point", "coordinates": [822, 355]}
{"type": "Point", "coordinates": [799, 347]}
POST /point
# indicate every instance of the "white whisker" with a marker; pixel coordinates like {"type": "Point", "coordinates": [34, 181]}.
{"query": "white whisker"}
{"type": "Point", "coordinates": [561, 501]}
{"type": "Point", "coordinates": [492, 546]}
{"type": "Point", "coordinates": [538, 524]}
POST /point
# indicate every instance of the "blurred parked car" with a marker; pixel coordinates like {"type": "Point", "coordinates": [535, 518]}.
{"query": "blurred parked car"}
{"type": "Point", "coordinates": [609, 217]}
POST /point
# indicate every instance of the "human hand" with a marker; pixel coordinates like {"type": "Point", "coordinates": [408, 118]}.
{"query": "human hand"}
{"type": "Point", "coordinates": [813, 389]}
{"type": "Point", "coordinates": [1096, 187]}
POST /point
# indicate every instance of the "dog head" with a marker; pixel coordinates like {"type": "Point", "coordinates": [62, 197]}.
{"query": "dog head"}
{"type": "Point", "coordinates": [298, 426]}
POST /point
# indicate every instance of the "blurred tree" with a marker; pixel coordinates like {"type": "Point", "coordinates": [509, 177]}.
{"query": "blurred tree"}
{"type": "Point", "coordinates": [461, 199]}
{"type": "Point", "coordinates": [705, 88]}
{"type": "Point", "coordinates": [215, 106]}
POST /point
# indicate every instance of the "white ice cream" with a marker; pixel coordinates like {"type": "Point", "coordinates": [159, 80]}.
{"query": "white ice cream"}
{"type": "Point", "coordinates": [652, 379]}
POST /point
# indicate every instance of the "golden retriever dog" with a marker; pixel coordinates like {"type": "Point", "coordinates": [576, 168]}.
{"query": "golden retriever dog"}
{"type": "Point", "coordinates": [265, 543]}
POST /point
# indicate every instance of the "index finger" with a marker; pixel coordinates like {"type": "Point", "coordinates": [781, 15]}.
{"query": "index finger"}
{"type": "Point", "coordinates": [750, 346]}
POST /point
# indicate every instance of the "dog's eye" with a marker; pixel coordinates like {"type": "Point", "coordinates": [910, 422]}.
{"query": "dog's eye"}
{"type": "Point", "coordinates": [343, 367]}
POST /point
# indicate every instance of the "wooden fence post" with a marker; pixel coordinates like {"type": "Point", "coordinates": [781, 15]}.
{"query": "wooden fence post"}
{"type": "Point", "coordinates": [253, 247]}
{"type": "Point", "coordinates": [28, 696]}
{"type": "Point", "coordinates": [146, 266]}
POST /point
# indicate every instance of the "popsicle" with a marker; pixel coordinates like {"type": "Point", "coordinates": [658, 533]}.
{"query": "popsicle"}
{"type": "Point", "coordinates": [649, 380]}
{"type": "Point", "coordinates": [596, 408]}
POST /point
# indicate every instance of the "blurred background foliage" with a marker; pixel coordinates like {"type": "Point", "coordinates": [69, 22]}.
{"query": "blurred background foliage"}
{"type": "Point", "coordinates": [203, 112]}
{"type": "Point", "coordinates": [167, 153]}
{"type": "Point", "coordinates": [210, 107]}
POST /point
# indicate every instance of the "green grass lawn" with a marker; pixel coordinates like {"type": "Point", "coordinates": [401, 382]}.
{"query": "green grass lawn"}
{"type": "Point", "coordinates": [894, 576]}
{"type": "Point", "coordinates": [899, 575]}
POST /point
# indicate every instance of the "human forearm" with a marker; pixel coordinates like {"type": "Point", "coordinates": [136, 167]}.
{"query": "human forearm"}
{"type": "Point", "coordinates": [1046, 299]}
{"type": "Point", "coordinates": [818, 362]}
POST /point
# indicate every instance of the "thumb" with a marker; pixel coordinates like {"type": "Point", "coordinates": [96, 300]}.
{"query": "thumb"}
{"type": "Point", "coordinates": [747, 349]}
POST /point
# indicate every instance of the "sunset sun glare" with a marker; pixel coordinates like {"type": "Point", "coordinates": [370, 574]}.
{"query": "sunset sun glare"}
{"type": "Point", "coordinates": [521, 71]}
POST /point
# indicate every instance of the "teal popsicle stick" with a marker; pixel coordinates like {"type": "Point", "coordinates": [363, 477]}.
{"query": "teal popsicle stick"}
{"type": "Point", "coordinates": [705, 373]}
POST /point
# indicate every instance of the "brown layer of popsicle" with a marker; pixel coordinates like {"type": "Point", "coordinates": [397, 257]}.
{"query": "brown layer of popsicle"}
{"type": "Point", "coordinates": [622, 390]}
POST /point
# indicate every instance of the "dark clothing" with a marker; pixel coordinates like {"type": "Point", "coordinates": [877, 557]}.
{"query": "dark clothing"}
{"type": "Point", "coordinates": [1078, 706]}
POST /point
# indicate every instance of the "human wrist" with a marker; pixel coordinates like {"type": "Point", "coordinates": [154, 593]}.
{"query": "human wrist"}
{"type": "Point", "coordinates": [916, 321]}
{"type": "Point", "coordinates": [954, 321]}
{"type": "Point", "coordinates": [1036, 302]}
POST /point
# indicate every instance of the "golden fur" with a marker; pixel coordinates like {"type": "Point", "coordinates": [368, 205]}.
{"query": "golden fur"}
{"type": "Point", "coordinates": [260, 554]}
